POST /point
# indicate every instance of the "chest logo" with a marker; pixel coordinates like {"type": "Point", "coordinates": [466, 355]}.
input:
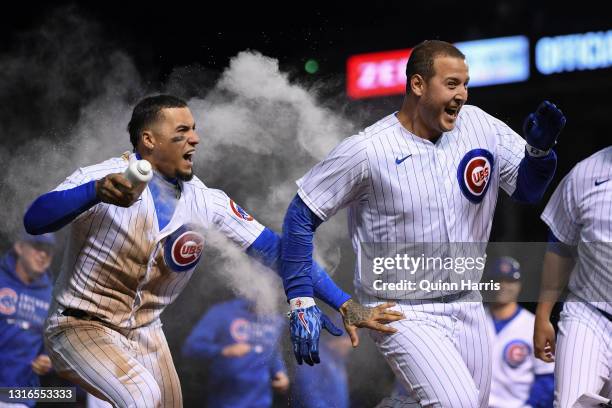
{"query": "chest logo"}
{"type": "Point", "coordinates": [516, 352]}
{"type": "Point", "coordinates": [400, 160]}
{"type": "Point", "coordinates": [183, 249]}
{"type": "Point", "coordinates": [239, 212]}
{"type": "Point", "coordinates": [8, 301]}
{"type": "Point", "coordinates": [474, 174]}
{"type": "Point", "coordinates": [240, 330]}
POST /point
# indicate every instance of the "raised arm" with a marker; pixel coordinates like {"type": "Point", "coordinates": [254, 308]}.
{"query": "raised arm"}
{"type": "Point", "coordinates": [56, 209]}
{"type": "Point", "coordinates": [537, 168]}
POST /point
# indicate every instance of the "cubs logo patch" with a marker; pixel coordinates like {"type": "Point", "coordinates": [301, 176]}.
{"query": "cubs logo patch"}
{"type": "Point", "coordinates": [516, 352]}
{"type": "Point", "coordinates": [182, 249]}
{"type": "Point", "coordinates": [240, 330]}
{"type": "Point", "coordinates": [8, 301]}
{"type": "Point", "coordinates": [474, 173]}
{"type": "Point", "coordinates": [239, 212]}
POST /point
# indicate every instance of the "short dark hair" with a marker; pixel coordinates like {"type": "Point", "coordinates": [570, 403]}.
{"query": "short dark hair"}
{"type": "Point", "coordinates": [422, 58]}
{"type": "Point", "coordinates": [147, 112]}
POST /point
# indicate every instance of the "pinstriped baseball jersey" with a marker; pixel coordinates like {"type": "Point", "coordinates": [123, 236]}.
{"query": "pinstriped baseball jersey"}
{"type": "Point", "coordinates": [583, 356]}
{"type": "Point", "coordinates": [120, 267]}
{"type": "Point", "coordinates": [579, 213]}
{"type": "Point", "coordinates": [400, 188]}
{"type": "Point", "coordinates": [514, 364]}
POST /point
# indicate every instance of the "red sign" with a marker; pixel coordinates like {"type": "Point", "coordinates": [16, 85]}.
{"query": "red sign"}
{"type": "Point", "coordinates": [377, 74]}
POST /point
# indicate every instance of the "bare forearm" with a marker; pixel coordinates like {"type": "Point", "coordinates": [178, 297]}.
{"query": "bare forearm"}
{"type": "Point", "coordinates": [555, 276]}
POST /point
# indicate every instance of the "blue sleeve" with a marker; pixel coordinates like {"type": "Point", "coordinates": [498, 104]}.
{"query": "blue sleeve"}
{"type": "Point", "coordinates": [201, 342]}
{"type": "Point", "coordinates": [534, 176]}
{"type": "Point", "coordinates": [297, 248]}
{"type": "Point", "coordinates": [560, 248]}
{"type": "Point", "coordinates": [542, 391]}
{"type": "Point", "coordinates": [53, 210]}
{"type": "Point", "coordinates": [326, 289]}
{"type": "Point", "coordinates": [267, 248]}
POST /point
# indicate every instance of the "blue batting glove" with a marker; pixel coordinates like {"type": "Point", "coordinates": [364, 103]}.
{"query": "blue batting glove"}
{"type": "Point", "coordinates": [305, 327]}
{"type": "Point", "coordinates": [542, 127]}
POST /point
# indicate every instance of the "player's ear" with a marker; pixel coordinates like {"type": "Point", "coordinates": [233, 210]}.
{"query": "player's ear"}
{"type": "Point", "coordinates": [148, 139]}
{"type": "Point", "coordinates": [18, 248]}
{"type": "Point", "coordinates": [417, 83]}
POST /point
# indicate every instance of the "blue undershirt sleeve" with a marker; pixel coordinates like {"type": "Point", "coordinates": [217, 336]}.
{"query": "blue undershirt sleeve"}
{"type": "Point", "coordinates": [534, 176]}
{"type": "Point", "coordinates": [54, 210]}
{"type": "Point", "coordinates": [560, 248]}
{"type": "Point", "coordinates": [267, 249]}
{"type": "Point", "coordinates": [297, 249]}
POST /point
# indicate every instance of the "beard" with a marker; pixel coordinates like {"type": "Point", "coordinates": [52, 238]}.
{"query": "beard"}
{"type": "Point", "coordinates": [184, 176]}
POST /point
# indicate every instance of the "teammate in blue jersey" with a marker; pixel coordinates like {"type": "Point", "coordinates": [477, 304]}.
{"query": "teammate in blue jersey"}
{"type": "Point", "coordinates": [25, 294]}
{"type": "Point", "coordinates": [519, 379]}
{"type": "Point", "coordinates": [241, 352]}
{"type": "Point", "coordinates": [427, 174]}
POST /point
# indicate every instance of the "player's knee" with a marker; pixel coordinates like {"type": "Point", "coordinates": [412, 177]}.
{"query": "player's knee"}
{"type": "Point", "coordinates": [149, 396]}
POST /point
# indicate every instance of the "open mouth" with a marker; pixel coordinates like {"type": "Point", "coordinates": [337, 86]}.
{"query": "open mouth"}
{"type": "Point", "coordinates": [188, 157]}
{"type": "Point", "coordinates": [452, 111]}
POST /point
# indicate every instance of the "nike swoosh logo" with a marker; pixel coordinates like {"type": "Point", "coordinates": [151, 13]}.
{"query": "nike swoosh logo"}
{"type": "Point", "coordinates": [400, 161]}
{"type": "Point", "coordinates": [598, 182]}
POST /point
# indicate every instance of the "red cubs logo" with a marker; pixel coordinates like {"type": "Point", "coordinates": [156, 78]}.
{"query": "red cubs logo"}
{"type": "Point", "coordinates": [516, 352]}
{"type": "Point", "coordinates": [183, 249]}
{"type": "Point", "coordinates": [474, 173]}
{"type": "Point", "coordinates": [8, 301]}
{"type": "Point", "coordinates": [187, 248]}
{"type": "Point", "coordinates": [240, 330]}
{"type": "Point", "coordinates": [239, 212]}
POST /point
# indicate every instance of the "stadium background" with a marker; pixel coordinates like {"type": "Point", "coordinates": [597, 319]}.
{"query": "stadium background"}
{"type": "Point", "coordinates": [62, 64]}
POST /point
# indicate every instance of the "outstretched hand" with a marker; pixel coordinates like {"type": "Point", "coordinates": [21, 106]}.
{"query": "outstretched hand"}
{"type": "Point", "coordinates": [305, 326]}
{"type": "Point", "coordinates": [355, 316]}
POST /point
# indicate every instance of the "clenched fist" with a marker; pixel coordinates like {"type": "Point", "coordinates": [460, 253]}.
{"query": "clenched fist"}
{"type": "Point", "coordinates": [117, 190]}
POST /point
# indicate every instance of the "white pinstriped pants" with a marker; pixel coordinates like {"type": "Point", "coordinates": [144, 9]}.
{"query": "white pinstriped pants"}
{"type": "Point", "coordinates": [441, 354]}
{"type": "Point", "coordinates": [129, 369]}
{"type": "Point", "coordinates": [583, 358]}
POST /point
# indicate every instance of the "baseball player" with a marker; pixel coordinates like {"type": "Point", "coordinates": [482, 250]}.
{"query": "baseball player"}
{"type": "Point", "coordinates": [429, 173]}
{"type": "Point", "coordinates": [243, 355]}
{"type": "Point", "coordinates": [518, 378]}
{"type": "Point", "coordinates": [579, 218]}
{"type": "Point", "coordinates": [25, 294]}
{"type": "Point", "coordinates": [131, 250]}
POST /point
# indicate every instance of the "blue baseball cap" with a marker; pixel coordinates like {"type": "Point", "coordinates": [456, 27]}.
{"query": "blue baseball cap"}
{"type": "Point", "coordinates": [46, 239]}
{"type": "Point", "coordinates": [506, 268]}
